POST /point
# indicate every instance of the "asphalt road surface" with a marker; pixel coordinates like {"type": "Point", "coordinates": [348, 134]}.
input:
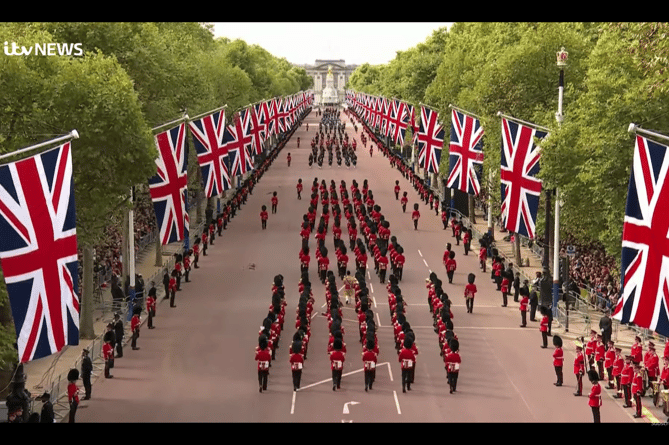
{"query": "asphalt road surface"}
{"type": "Point", "coordinates": [198, 364]}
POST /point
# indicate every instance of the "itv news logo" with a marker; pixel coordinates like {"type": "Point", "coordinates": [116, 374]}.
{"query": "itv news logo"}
{"type": "Point", "coordinates": [44, 49]}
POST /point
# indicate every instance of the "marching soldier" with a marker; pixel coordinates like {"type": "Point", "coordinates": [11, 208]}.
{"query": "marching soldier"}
{"type": "Point", "coordinates": [275, 202]}
{"type": "Point", "coordinates": [415, 216]}
{"type": "Point", "coordinates": [263, 357]}
{"type": "Point", "coordinates": [296, 364]}
{"type": "Point", "coordinates": [263, 217]}
{"type": "Point", "coordinates": [543, 328]}
{"type": "Point", "coordinates": [404, 202]}
{"type": "Point", "coordinates": [407, 361]}
{"type": "Point", "coordinates": [470, 292]}
{"type": "Point", "coordinates": [453, 361]}
{"type": "Point", "coordinates": [397, 190]}
{"type": "Point", "coordinates": [337, 359]}
{"type": "Point", "coordinates": [369, 359]}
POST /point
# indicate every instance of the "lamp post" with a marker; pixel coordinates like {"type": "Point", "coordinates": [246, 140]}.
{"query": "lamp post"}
{"type": "Point", "coordinates": [562, 56]}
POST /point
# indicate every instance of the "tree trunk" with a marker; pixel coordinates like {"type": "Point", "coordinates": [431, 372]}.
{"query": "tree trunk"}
{"type": "Point", "coordinates": [516, 250]}
{"type": "Point", "coordinates": [87, 304]}
{"type": "Point", "coordinates": [472, 214]}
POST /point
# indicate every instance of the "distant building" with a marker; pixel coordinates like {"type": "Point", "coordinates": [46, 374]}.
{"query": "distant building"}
{"type": "Point", "coordinates": [340, 75]}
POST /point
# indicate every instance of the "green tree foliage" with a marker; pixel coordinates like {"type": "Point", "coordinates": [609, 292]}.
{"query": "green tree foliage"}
{"type": "Point", "coordinates": [133, 76]}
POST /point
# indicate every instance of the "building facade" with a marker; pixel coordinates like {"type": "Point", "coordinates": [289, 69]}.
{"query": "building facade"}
{"type": "Point", "coordinates": [319, 71]}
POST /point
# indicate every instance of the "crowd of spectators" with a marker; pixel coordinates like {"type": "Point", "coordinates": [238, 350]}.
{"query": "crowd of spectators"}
{"type": "Point", "coordinates": [108, 259]}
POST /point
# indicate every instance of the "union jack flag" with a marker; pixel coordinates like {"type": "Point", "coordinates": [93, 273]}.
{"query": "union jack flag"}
{"type": "Point", "coordinates": [519, 167]}
{"type": "Point", "coordinates": [398, 121]}
{"type": "Point", "coordinates": [273, 120]}
{"type": "Point", "coordinates": [237, 140]}
{"type": "Point", "coordinates": [645, 255]}
{"type": "Point", "coordinates": [258, 127]}
{"type": "Point", "coordinates": [465, 153]}
{"type": "Point", "coordinates": [430, 137]}
{"type": "Point", "coordinates": [169, 187]}
{"type": "Point", "coordinates": [385, 116]}
{"type": "Point", "coordinates": [38, 248]}
{"type": "Point", "coordinates": [211, 155]}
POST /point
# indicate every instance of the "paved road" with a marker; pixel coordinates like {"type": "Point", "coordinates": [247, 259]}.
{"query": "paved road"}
{"type": "Point", "coordinates": [198, 364]}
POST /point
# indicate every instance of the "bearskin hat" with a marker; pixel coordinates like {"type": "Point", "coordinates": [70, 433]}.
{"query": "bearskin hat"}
{"type": "Point", "coordinates": [73, 375]}
{"type": "Point", "coordinates": [137, 310]}
{"type": "Point", "coordinates": [451, 254]}
{"type": "Point", "coordinates": [109, 336]}
{"type": "Point", "coordinates": [415, 206]}
{"type": "Point", "coordinates": [337, 344]}
{"type": "Point", "coordinates": [471, 278]}
{"type": "Point", "coordinates": [557, 341]}
{"type": "Point", "coordinates": [454, 344]}
{"type": "Point", "coordinates": [370, 343]}
{"type": "Point", "coordinates": [593, 376]}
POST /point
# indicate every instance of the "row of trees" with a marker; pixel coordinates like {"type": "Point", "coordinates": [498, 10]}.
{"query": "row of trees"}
{"type": "Point", "coordinates": [132, 77]}
{"type": "Point", "coordinates": [616, 74]}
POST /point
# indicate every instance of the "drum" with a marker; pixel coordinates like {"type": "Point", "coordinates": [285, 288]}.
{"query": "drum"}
{"type": "Point", "coordinates": [664, 394]}
{"type": "Point", "coordinates": [656, 392]}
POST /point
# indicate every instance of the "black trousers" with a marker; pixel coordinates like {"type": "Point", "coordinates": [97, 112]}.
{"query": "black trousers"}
{"type": "Point", "coordinates": [262, 378]}
{"type": "Point", "coordinates": [453, 380]}
{"type": "Point", "coordinates": [370, 376]}
{"type": "Point", "coordinates": [86, 379]}
{"type": "Point", "coordinates": [469, 302]}
{"type": "Point", "coordinates": [150, 321]}
{"type": "Point", "coordinates": [558, 373]}
{"type": "Point", "coordinates": [107, 368]}
{"type": "Point", "coordinates": [336, 378]}
{"type": "Point", "coordinates": [73, 411]}
{"type": "Point", "coordinates": [595, 414]}
{"type": "Point", "coordinates": [544, 337]}
{"type": "Point", "coordinates": [133, 341]}
{"type": "Point", "coordinates": [523, 318]}
{"type": "Point", "coordinates": [297, 376]}
{"type": "Point", "coordinates": [172, 295]}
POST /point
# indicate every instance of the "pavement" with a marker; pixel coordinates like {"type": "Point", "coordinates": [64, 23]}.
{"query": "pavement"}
{"type": "Point", "coordinates": [48, 374]}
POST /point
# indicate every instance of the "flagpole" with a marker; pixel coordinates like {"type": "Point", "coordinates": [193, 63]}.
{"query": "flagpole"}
{"type": "Point", "coordinates": [463, 111]}
{"type": "Point", "coordinates": [71, 135]}
{"type": "Point", "coordinates": [176, 121]}
{"type": "Point", "coordinates": [511, 118]}
{"type": "Point", "coordinates": [561, 63]}
{"type": "Point", "coordinates": [207, 113]}
{"type": "Point", "coordinates": [634, 128]}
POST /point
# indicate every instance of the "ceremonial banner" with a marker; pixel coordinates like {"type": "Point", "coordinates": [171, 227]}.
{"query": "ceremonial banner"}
{"type": "Point", "coordinates": [169, 187]}
{"type": "Point", "coordinates": [237, 140]}
{"type": "Point", "coordinates": [398, 122]}
{"type": "Point", "coordinates": [430, 137]}
{"type": "Point", "coordinates": [645, 255]}
{"type": "Point", "coordinates": [38, 251]}
{"type": "Point", "coordinates": [465, 153]}
{"type": "Point", "coordinates": [520, 186]}
{"type": "Point", "coordinates": [258, 127]}
{"type": "Point", "coordinates": [211, 154]}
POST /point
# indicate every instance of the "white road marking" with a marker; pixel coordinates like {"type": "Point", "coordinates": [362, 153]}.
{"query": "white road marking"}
{"type": "Point", "coordinates": [397, 402]}
{"type": "Point", "coordinates": [419, 253]}
{"type": "Point", "coordinates": [292, 406]}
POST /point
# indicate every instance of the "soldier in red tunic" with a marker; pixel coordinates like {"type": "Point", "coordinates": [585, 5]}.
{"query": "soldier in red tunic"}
{"type": "Point", "coordinates": [637, 389]}
{"type": "Point", "coordinates": [415, 216]}
{"type": "Point", "coordinates": [404, 202]}
{"type": "Point", "coordinates": [558, 359]}
{"type": "Point", "coordinates": [470, 292]}
{"type": "Point", "coordinates": [595, 396]}
{"type": "Point", "coordinates": [263, 217]}
{"type": "Point", "coordinates": [275, 202]}
{"type": "Point", "coordinates": [397, 190]}
{"type": "Point", "coordinates": [299, 188]}
{"type": "Point", "coordinates": [407, 360]}
{"type": "Point", "coordinates": [296, 363]}
{"type": "Point", "coordinates": [135, 323]}
{"type": "Point", "coordinates": [151, 306]}
{"type": "Point", "coordinates": [452, 360]}
{"type": "Point", "coordinates": [369, 358]}
{"type": "Point", "coordinates": [579, 369]}
{"type": "Point", "coordinates": [108, 353]}
{"type": "Point", "coordinates": [337, 359]}
{"type": "Point", "coordinates": [263, 357]}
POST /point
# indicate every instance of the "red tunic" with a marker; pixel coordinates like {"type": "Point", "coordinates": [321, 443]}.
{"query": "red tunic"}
{"type": "Point", "coordinates": [595, 396]}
